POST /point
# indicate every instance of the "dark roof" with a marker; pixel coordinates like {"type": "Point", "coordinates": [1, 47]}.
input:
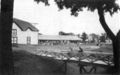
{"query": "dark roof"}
{"type": "Point", "coordinates": [23, 25]}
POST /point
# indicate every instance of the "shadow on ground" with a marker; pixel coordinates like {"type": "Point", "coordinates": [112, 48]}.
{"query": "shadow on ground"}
{"type": "Point", "coordinates": [28, 64]}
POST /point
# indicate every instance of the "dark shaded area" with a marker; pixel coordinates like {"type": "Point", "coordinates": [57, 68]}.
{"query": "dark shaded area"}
{"type": "Point", "coordinates": [30, 64]}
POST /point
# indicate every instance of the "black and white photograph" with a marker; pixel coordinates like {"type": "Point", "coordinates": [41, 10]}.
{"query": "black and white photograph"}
{"type": "Point", "coordinates": [59, 37]}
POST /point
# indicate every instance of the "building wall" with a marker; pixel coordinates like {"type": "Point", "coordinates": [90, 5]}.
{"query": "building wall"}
{"type": "Point", "coordinates": [22, 35]}
{"type": "Point", "coordinates": [108, 41]}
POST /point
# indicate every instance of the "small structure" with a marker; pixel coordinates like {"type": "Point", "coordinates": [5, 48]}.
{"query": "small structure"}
{"type": "Point", "coordinates": [59, 39]}
{"type": "Point", "coordinates": [24, 32]}
{"type": "Point", "coordinates": [108, 41]}
{"type": "Point", "coordinates": [93, 38]}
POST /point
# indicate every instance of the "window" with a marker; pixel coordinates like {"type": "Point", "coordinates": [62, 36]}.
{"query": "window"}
{"type": "Point", "coordinates": [14, 40]}
{"type": "Point", "coordinates": [14, 32]}
{"type": "Point", "coordinates": [28, 40]}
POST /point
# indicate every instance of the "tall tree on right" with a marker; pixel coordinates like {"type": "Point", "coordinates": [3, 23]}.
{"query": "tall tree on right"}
{"type": "Point", "coordinates": [102, 6]}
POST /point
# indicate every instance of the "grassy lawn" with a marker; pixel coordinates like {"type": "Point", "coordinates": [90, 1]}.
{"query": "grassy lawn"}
{"type": "Point", "coordinates": [90, 48]}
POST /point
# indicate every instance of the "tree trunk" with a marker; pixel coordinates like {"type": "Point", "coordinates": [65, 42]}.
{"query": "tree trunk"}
{"type": "Point", "coordinates": [116, 54]}
{"type": "Point", "coordinates": [113, 38]}
{"type": "Point", "coordinates": [6, 56]}
{"type": "Point", "coordinates": [117, 59]}
{"type": "Point", "coordinates": [104, 24]}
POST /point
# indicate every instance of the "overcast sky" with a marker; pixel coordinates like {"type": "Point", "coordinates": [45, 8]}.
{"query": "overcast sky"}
{"type": "Point", "coordinates": [51, 21]}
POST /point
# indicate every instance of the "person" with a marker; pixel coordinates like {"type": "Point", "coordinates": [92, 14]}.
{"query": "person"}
{"type": "Point", "coordinates": [70, 53]}
{"type": "Point", "coordinates": [80, 49]}
{"type": "Point", "coordinates": [81, 53]}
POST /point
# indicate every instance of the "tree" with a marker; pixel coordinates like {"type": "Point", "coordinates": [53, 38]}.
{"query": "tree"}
{"type": "Point", "coordinates": [84, 36]}
{"type": "Point", "coordinates": [6, 56]}
{"type": "Point", "coordinates": [78, 35]}
{"type": "Point", "coordinates": [102, 6]}
{"type": "Point", "coordinates": [95, 37]}
{"type": "Point", "coordinates": [63, 33]}
{"type": "Point", "coordinates": [102, 38]}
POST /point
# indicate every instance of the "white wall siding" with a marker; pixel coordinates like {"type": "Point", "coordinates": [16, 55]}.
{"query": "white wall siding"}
{"type": "Point", "coordinates": [22, 35]}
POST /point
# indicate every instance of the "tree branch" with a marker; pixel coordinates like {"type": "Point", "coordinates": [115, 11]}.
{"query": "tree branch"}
{"type": "Point", "coordinates": [104, 25]}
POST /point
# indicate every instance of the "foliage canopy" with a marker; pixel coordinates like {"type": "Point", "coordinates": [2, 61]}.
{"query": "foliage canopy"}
{"type": "Point", "coordinates": [77, 5]}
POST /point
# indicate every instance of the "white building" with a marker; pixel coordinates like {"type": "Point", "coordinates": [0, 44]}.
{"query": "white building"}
{"type": "Point", "coordinates": [24, 32]}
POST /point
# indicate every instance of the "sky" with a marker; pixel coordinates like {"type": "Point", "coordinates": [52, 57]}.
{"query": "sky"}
{"type": "Point", "coordinates": [49, 20]}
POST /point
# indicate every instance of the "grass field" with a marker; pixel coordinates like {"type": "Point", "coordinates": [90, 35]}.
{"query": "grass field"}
{"type": "Point", "coordinates": [90, 48]}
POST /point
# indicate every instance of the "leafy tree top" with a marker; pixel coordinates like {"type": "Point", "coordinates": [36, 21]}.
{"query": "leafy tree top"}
{"type": "Point", "coordinates": [77, 5]}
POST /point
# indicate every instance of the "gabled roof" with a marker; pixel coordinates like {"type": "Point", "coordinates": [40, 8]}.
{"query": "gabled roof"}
{"type": "Point", "coordinates": [58, 37]}
{"type": "Point", "coordinates": [23, 25]}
